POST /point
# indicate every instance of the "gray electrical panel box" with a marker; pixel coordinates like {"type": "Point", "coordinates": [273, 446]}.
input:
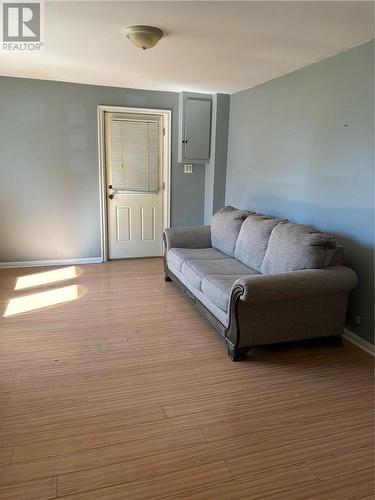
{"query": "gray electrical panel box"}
{"type": "Point", "coordinates": [194, 127]}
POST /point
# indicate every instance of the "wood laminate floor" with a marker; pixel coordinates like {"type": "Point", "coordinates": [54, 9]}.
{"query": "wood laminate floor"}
{"type": "Point", "coordinates": [126, 392]}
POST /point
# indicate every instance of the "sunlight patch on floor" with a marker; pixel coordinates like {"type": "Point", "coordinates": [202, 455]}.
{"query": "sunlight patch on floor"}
{"type": "Point", "coordinates": [47, 277]}
{"type": "Point", "coordinates": [42, 300]}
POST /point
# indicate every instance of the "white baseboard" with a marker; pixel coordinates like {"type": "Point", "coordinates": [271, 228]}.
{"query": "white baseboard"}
{"type": "Point", "coordinates": [58, 262]}
{"type": "Point", "coordinates": [359, 341]}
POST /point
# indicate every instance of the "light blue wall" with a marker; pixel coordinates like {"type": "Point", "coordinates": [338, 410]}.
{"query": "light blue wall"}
{"type": "Point", "coordinates": [221, 150]}
{"type": "Point", "coordinates": [49, 194]}
{"type": "Point", "coordinates": [302, 147]}
{"type": "Point", "coordinates": [217, 167]}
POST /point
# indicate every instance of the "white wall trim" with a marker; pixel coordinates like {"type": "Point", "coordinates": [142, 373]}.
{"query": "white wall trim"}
{"type": "Point", "coordinates": [58, 262]}
{"type": "Point", "coordinates": [167, 147]}
{"type": "Point", "coordinates": [359, 341]}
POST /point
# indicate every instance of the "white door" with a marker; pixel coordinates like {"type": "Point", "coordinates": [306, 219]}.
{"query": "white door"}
{"type": "Point", "coordinates": [134, 151]}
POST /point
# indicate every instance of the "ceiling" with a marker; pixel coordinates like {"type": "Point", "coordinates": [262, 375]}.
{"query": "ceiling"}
{"type": "Point", "coordinates": [209, 46]}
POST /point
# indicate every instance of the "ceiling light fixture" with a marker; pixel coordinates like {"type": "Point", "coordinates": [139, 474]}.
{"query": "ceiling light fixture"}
{"type": "Point", "coordinates": [143, 37]}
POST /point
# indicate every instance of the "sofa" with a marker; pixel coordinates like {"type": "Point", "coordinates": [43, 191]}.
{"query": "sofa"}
{"type": "Point", "coordinates": [259, 279]}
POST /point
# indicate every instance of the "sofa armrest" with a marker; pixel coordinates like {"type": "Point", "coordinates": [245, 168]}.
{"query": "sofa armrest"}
{"type": "Point", "coordinates": [187, 237]}
{"type": "Point", "coordinates": [295, 284]}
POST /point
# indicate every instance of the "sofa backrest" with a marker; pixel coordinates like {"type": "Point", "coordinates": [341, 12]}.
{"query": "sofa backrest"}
{"type": "Point", "coordinates": [225, 227]}
{"type": "Point", "coordinates": [293, 247]}
{"type": "Point", "coordinates": [252, 241]}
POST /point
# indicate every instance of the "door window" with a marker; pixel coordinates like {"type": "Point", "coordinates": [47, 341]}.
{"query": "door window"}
{"type": "Point", "coordinates": [135, 155]}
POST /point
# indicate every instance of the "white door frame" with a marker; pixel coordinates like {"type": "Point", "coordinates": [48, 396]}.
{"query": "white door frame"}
{"type": "Point", "coordinates": [166, 167]}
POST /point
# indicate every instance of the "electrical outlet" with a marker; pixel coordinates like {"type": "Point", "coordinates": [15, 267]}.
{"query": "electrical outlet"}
{"type": "Point", "coordinates": [188, 169]}
{"type": "Point", "coordinates": [358, 319]}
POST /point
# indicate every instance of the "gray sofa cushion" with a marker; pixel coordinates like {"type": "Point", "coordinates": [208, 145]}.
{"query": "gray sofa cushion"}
{"type": "Point", "coordinates": [217, 288]}
{"type": "Point", "coordinates": [293, 247]}
{"type": "Point", "coordinates": [195, 270]}
{"type": "Point", "coordinates": [253, 240]}
{"type": "Point", "coordinates": [177, 256]}
{"type": "Point", "coordinates": [225, 227]}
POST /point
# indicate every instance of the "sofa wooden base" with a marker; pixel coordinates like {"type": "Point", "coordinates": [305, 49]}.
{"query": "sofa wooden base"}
{"type": "Point", "coordinates": [335, 340]}
{"type": "Point", "coordinates": [237, 353]}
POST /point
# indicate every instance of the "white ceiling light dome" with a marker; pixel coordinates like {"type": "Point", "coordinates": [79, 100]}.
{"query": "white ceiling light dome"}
{"type": "Point", "coordinates": [143, 37]}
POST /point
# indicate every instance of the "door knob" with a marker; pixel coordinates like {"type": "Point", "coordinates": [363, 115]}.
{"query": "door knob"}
{"type": "Point", "coordinates": [111, 196]}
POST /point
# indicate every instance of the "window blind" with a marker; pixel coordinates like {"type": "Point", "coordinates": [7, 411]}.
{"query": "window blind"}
{"type": "Point", "coordinates": [135, 153]}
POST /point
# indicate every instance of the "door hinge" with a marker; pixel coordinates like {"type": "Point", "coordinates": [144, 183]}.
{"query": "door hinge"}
{"type": "Point", "coordinates": [163, 186]}
{"type": "Point", "coordinates": [163, 130]}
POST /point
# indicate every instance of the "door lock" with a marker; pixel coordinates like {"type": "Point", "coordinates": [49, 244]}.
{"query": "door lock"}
{"type": "Point", "coordinates": [111, 196]}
